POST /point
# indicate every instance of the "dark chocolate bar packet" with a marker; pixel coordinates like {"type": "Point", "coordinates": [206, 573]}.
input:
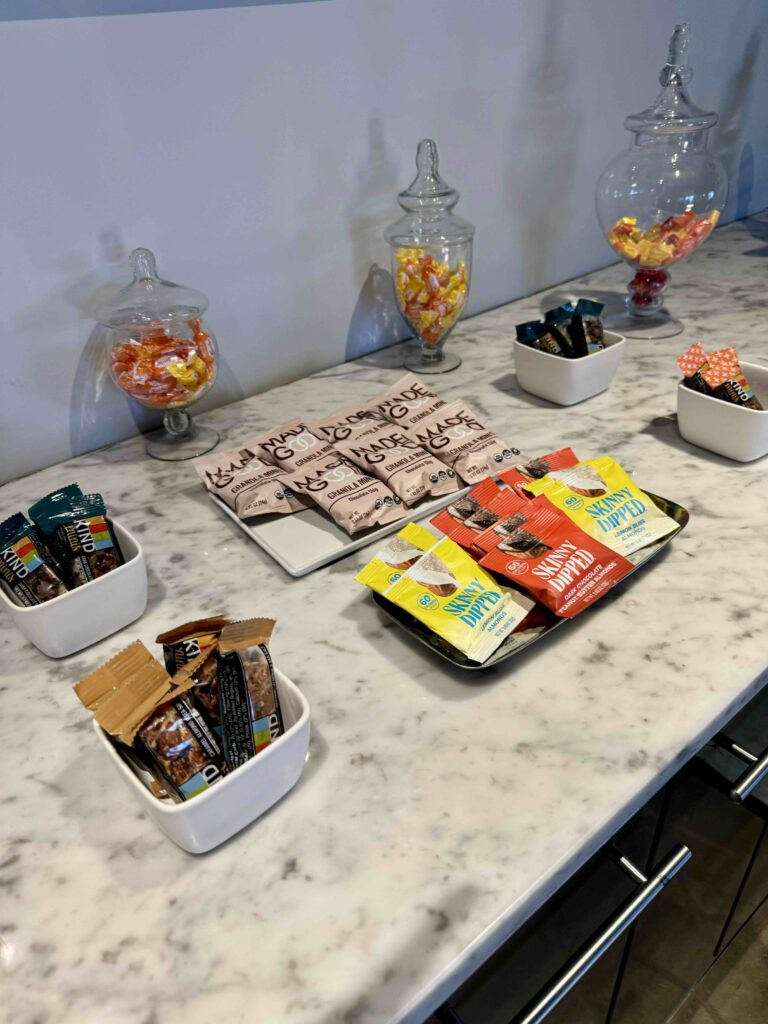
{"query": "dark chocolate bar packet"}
{"type": "Point", "coordinates": [81, 536]}
{"type": "Point", "coordinates": [25, 573]}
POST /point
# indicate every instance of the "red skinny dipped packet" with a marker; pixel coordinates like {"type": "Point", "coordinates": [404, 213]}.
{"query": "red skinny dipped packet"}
{"type": "Point", "coordinates": [512, 513]}
{"type": "Point", "coordinates": [557, 562]}
{"type": "Point", "coordinates": [468, 516]}
{"type": "Point", "coordinates": [534, 469]}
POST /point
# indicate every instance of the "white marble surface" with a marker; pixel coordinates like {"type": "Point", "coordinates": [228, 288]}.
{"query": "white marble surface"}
{"type": "Point", "coordinates": [438, 809]}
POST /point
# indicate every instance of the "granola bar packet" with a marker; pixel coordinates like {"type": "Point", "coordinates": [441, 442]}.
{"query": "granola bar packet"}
{"type": "Point", "coordinates": [407, 402]}
{"type": "Point", "coordinates": [355, 501]}
{"type": "Point", "coordinates": [188, 641]}
{"type": "Point", "coordinates": [342, 423]}
{"type": "Point", "coordinates": [601, 498]}
{"type": "Point", "coordinates": [249, 705]}
{"type": "Point", "coordinates": [292, 446]}
{"type": "Point", "coordinates": [386, 451]}
{"type": "Point", "coordinates": [242, 479]}
{"type": "Point", "coordinates": [565, 569]}
{"type": "Point", "coordinates": [457, 437]}
{"type": "Point", "coordinates": [693, 364]}
{"type": "Point", "coordinates": [457, 599]}
{"type": "Point", "coordinates": [462, 523]}
{"type": "Point", "coordinates": [398, 554]}
{"type": "Point", "coordinates": [727, 380]}
{"type": "Point", "coordinates": [136, 702]}
{"type": "Point", "coordinates": [25, 574]}
{"type": "Point", "coordinates": [81, 536]}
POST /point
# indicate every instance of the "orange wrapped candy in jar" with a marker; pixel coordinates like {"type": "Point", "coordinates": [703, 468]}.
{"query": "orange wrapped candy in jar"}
{"type": "Point", "coordinates": [662, 243]}
{"type": "Point", "coordinates": [429, 293]}
{"type": "Point", "coordinates": [165, 368]}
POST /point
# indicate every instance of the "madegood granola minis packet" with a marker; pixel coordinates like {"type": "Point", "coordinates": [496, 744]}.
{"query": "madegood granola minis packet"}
{"type": "Point", "coordinates": [457, 437]}
{"type": "Point", "coordinates": [407, 402]}
{"type": "Point", "coordinates": [248, 484]}
{"type": "Point", "coordinates": [292, 446]}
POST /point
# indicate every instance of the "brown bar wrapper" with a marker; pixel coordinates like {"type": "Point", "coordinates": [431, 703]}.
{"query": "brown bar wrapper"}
{"type": "Point", "coordinates": [408, 402]}
{"type": "Point", "coordinates": [456, 436]}
{"type": "Point", "coordinates": [134, 699]}
{"type": "Point", "coordinates": [242, 479]}
{"type": "Point", "coordinates": [385, 451]}
{"type": "Point", "coordinates": [355, 501]}
{"type": "Point", "coordinates": [292, 446]}
{"type": "Point", "coordinates": [342, 423]}
{"type": "Point", "coordinates": [184, 643]}
{"type": "Point", "coordinates": [249, 706]}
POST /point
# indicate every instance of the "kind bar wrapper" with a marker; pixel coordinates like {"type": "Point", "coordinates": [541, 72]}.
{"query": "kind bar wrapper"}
{"type": "Point", "coordinates": [292, 446]}
{"type": "Point", "coordinates": [398, 554]}
{"type": "Point", "coordinates": [383, 450]}
{"type": "Point", "coordinates": [249, 706]}
{"type": "Point", "coordinates": [511, 513]}
{"type": "Point", "coordinates": [248, 484]}
{"type": "Point", "coordinates": [25, 575]}
{"type": "Point", "coordinates": [521, 474]}
{"type": "Point", "coordinates": [727, 380]}
{"type": "Point", "coordinates": [449, 592]}
{"type": "Point", "coordinates": [694, 365]}
{"type": "Point", "coordinates": [355, 501]}
{"type": "Point", "coordinates": [134, 699]}
{"type": "Point", "coordinates": [601, 498]}
{"type": "Point", "coordinates": [568, 572]}
{"type": "Point", "coordinates": [81, 536]}
{"type": "Point", "coordinates": [340, 424]}
{"type": "Point", "coordinates": [465, 523]}
{"type": "Point", "coordinates": [186, 642]}
{"type": "Point", "coordinates": [456, 436]}
{"type": "Point", "coordinates": [408, 402]}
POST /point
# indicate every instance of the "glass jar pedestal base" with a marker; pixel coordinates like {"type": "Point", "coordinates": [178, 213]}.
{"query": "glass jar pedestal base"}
{"type": "Point", "coordinates": [425, 359]}
{"type": "Point", "coordinates": [648, 328]}
{"type": "Point", "coordinates": [179, 438]}
{"type": "Point", "coordinates": [645, 316]}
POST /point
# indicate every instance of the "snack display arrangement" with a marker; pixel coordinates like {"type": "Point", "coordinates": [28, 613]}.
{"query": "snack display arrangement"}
{"type": "Point", "coordinates": [366, 465]}
{"type": "Point", "coordinates": [70, 541]}
{"type": "Point", "coordinates": [549, 539]}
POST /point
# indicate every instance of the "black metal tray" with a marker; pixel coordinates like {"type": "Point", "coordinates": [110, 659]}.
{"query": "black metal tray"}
{"type": "Point", "coordinates": [520, 641]}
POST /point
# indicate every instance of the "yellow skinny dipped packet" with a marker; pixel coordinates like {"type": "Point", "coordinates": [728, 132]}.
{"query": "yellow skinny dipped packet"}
{"type": "Point", "coordinates": [601, 498]}
{"type": "Point", "coordinates": [398, 554]}
{"type": "Point", "coordinates": [449, 592]}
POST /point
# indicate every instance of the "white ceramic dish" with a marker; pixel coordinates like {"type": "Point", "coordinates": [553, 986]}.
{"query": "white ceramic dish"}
{"type": "Point", "coordinates": [305, 541]}
{"type": "Point", "coordinates": [568, 381]}
{"type": "Point", "coordinates": [210, 818]}
{"type": "Point", "coordinates": [82, 616]}
{"type": "Point", "coordinates": [723, 428]}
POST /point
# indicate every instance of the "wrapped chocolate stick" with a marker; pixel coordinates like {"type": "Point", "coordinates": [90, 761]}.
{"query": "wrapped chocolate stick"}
{"type": "Point", "coordinates": [249, 705]}
{"type": "Point", "coordinates": [386, 451]}
{"type": "Point", "coordinates": [25, 574]}
{"type": "Point", "coordinates": [136, 702]}
{"type": "Point", "coordinates": [407, 402]}
{"type": "Point", "coordinates": [355, 501]}
{"type": "Point", "coordinates": [82, 537]}
{"type": "Point", "coordinates": [248, 484]}
{"type": "Point", "coordinates": [457, 437]}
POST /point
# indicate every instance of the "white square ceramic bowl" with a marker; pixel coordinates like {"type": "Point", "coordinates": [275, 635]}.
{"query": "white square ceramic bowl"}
{"type": "Point", "coordinates": [212, 817]}
{"type": "Point", "coordinates": [723, 428]}
{"type": "Point", "coordinates": [568, 381]}
{"type": "Point", "coordinates": [82, 616]}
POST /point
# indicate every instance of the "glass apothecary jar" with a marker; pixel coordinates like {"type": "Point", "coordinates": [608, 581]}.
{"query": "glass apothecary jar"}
{"type": "Point", "coordinates": [163, 355]}
{"type": "Point", "coordinates": [658, 201]}
{"type": "Point", "coordinates": [431, 250]}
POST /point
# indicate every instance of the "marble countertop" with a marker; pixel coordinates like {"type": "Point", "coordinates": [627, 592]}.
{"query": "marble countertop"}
{"type": "Point", "coordinates": [438, 809]}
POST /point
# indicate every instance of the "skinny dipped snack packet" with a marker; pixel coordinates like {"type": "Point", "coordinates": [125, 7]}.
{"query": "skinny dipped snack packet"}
{"type": "Point", "coordinates": [511, 513]}
{"type": "Point", "coordinates": [524, 471]}
{"type": "Point", "coordinates": [457, 599]}
{"type": "Point", "coordinates": [456, 436]}
{"type": "Point", "coordinates": [386, 451]}
{"type": "Point", "coordinates": [341, 423]}
{"type": "Point", "coordinates": [355, 501]}
{"type": "Point", "coordinates": [601, 498]}
{"type": "Point", "coordinates": [407, 402]}
{"type": "Point", "coordinates": [399, 553]}
{"type": "Point", "coordinates": [567, 570]}
{"type": "Point", "coordinates": [25, 573]}
{"type": "Point", "coordinates": [463, 524]}
{"type": "Point", "coordinates": [248, 484]}
{"type": "Point", "coordinates": [292, 446]}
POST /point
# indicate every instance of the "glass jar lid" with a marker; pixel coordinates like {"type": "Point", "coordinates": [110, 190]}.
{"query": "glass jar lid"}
{"type": "Point", "coordinates": [673, 111]}
{"type": "Point", "coordinates": [428, 202]}
{"type": "Point", "coordinates": [149, 300]}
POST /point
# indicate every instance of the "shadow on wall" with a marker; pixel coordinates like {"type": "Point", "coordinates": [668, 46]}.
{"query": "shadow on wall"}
{"type": "Point", "coordinates": [545, 184]}
{"type": "Point", "coordinates": [735, 107]}
{"type": "Point", "coordinates": [376, 321]}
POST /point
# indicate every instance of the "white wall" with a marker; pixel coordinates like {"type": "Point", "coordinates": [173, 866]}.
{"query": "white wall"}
{"type": "Point", "coordinates": [258, 151]}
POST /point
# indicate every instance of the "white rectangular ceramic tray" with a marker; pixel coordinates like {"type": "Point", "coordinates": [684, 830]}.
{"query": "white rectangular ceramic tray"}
{"type": "Point", "coordinates": [305, 541]}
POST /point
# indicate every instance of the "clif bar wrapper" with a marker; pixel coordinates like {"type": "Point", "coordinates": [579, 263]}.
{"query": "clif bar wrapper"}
{"type": "Point", "coordinates": [248, 484]}
{"type": "Point", "coordinates": [249, 706]}
{"type": "Point", "coordinates": [292, 446]}
{"type": "Point", "coordinates": [567, 570]}
{"type": "Point", "coordinates": [340, 424]}
{"type": "Point", "coordinates": [355, 501]}
{"type": "Point", "coordinates": [462, 523]}
{"type": "Point", "coordinates": [601, 498]}
{"type": "Point", "coordinates": [408, 402]}
{"type": "Point", "coordinates": [25, 574]}
{"type": "Point", "coordinates": [386, 451]}
{"type": "Point", "coordinates": [456, 436]}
